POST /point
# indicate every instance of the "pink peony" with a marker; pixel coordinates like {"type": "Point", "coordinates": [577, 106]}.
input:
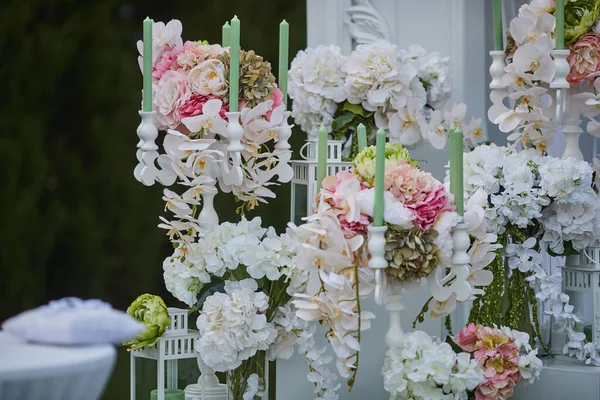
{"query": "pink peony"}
{"type": "Point", "coordinates": [194, 105]}
{"type": "Point", "coordinates": [194, 55]}
{"type": "Point", "coordinates": [584, 58]}
{"type": "Point", "coordinates": [418, 191]}
{"type": "Point", "coordinates": [467, 338]}
{"type": "Point", "coordinates": [277, 101]}
{"type": "Point", "coordinates": [170, 93]}
{"type": "Point", "coordinates": [340, 193]}
{"type": "Point", "coordinates": [168, 60]}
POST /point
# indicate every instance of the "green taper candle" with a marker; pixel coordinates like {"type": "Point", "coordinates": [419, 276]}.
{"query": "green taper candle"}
{"type": "Point", "coordinates": [362, 137]}
{"type": "Point", "coordinates": [498, 31]}
{"type": "Point", "coordinates": [170, 394]}
{"type": "Point", "coordinates": [451, 155]}
{"type": "Point", "coordinates": [147, 88]}
{"type": "Point", "coordinates": [284, 40]}
{"type": "Point", "coordinates": [321, 156]}
{"type": "Point", "coordinates": [234, 66]}
{"type": "Point", "coordinates": [226, 34]}
{"type": "Point", "coordinates": [559, 14]}
{"type": "Point", "coordinates": [457, 165]}
{"type": "Point", "coordinates": [379, 177]}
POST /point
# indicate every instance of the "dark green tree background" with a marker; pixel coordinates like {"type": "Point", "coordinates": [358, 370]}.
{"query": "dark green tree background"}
{"type": "Point", "coordinates": [73, 220]}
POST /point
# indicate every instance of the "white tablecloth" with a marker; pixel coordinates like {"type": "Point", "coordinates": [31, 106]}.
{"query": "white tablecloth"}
{"type": "Point", "coordinates": [40, 372]}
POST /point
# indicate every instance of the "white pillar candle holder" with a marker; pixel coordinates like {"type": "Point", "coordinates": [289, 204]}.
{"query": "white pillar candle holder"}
{"type": "Point", "coordinates": [394, 337]}
{"type": "Point", "coordinates": [284, 134]}
{"type": "Point", "coordinates": [376, 243]}
{"type": "Point", "coordinates": [560, 83]}
{"type": "Point", "coordinates": [497, 69]}
{"type": "Point", "coordinates": [232, 174]}
{"type": "Point", "coordinates": [147, 155]}
{"type": "Point", "coordinates": [208, 217]}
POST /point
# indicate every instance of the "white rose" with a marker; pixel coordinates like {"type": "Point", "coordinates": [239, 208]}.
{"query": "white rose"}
{"type": "Point", "coordinates": [208, 78]}
{"type": "Point", "coordinates": [169, 93]}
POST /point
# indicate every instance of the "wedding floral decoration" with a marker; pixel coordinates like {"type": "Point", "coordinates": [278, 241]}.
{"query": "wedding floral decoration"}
{"type": "Point", "coordinates": [333, 255]}
{"type": "Point", "coordinates": [534, 202]}
{"type": "Point", "coordinates": [152, 312]}
{"type": "Point", "coordinates": [425, 369]}
{"type": "Point", "coordinates": [190, 98]}
{"type": "Point", "coordinates": [480, 363]}
{"type": "Point", "coordinates": [504, 355]}
{"type": "Point", "coordinates": [531, 68]}
{"type": "Point", "coordinates": [381, 86]}
{"type": "Point", "coordinates": [252, 321]}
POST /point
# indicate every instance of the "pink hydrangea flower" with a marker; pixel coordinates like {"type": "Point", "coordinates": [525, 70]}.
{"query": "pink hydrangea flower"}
{"type": "Point", "coordinates": [584, 58]}
{"type": "Point", "coordinates": [498, 356]}
{"type": "Point", "coordinates": [467, 338]}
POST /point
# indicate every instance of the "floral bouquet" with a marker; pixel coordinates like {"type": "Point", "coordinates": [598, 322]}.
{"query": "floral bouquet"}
{"type": "Point", "coordinates": [531, 68]}
{"type": "Point", "coordinates": [380, 86]}
{"type": "Point", "coordinates": [504, 355]}
{"type": "Point", "coordinates": [249, 320]}
{"type": "Point", "coordinates": [191, 96]}
{"type": "Point", "coordinates": [479, 363]}
{"type": "Point", "coordinates": [333, 255]}
{"type": "Point", "coordinates": [533, 202]}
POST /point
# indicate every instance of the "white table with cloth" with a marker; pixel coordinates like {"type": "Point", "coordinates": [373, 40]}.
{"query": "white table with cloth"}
{"type": "Point", "coordinates": [31, 371]}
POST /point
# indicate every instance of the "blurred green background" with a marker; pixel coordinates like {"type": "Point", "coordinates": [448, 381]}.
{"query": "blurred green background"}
{"type": "Point", "coordinates": [73, 220]}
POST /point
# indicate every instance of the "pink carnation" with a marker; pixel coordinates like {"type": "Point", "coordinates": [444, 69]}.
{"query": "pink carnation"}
{"type": "Point", "coordinates": [194, 105]}
{"type": "Point", "coordinates": [584, 58]}
{"type": "Point", "coordinates": [418, 191]}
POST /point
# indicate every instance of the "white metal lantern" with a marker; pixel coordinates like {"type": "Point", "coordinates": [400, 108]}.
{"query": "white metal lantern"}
{"type": "Point", "coordinates": [304, 183]}
{"type": "Point", "coordinates": [581, 281]}
{"type": "Point", "coordinates": [176, 344]}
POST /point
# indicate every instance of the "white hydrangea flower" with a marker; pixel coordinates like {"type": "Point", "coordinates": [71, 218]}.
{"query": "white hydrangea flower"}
{"type": "Point", "coordinates": [233, 326]}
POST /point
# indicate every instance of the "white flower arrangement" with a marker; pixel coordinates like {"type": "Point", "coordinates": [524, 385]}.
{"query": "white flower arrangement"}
{"type": "Point", "coordinates": [381, 86]}
{"type": "Point", "coordinates": [426, 369]}
{"type": "Point", "coordinates": [535, 202]}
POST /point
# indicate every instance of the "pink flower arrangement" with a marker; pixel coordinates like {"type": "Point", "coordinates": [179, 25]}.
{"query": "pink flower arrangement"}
{"type": "Point", "coordinates": [341, 192]}
{"type": "Point", "coordinates": [418, 191]}
{"type": "Point", "coordinates": [188, 74]}
{"type": "Point", "coordinates": [584, 58]}
{"type": "Point", "coordinates": [497, 354]}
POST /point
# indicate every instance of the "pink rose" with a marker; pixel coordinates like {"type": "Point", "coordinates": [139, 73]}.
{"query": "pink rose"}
{"type": "Point", "coordinates": [584, 58]}
{"type": "Point", "coordinates": [194, 105]}
{"type": "Point", "coordinates": [277, 101]}
{"type": "Point", "coordinates": [467, 338]}
{"type": "Point", "coordinates": [170, 93]}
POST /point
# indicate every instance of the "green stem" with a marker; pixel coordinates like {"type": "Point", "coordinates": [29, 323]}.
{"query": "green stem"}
{"type": "Point", "coordinates": [448, 324]}
{"type": "Point", "coordinates": [536, 322]}
{"type": "Point", "coordinates": [272, 382]}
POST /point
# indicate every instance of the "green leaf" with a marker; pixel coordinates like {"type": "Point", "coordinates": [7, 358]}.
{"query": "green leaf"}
{"type": "Point", "coordinates": [357, 109]}
{"type": "Point", "coordinates": [456, 348]}
{"type": "Point", "coordinates": [342, 121]}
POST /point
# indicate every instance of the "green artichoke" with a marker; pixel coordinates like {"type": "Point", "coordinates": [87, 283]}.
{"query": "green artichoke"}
{"type": "Point", "coordinates": [412, 254]}
{"type": "Point", "coordinates": [364, 162]}
{"type": "Point", "coordinates": [257, 82]}
{"type": "Point", "coordinates": [580, 17]}
{"type": "Point", "coordinates": [151, 311]}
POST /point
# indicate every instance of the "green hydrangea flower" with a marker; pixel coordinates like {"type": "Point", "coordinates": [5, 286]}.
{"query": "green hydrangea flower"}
{"type": "Point", "coordinates": [152, 312]}
{"type": "Point", "coordinates": [580, 17]}
{"type": "Point", "coordinates": [364, 162]}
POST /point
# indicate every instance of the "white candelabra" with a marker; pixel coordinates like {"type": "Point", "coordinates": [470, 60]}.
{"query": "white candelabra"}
{"type": "Point", "coordinates": [442, 285]}
{"type": "Point", "coordinates": [154, 167]}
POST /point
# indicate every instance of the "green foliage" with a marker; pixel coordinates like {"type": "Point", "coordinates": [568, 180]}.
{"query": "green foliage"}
{"type": "Point", "coordinates": [74, 220]}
